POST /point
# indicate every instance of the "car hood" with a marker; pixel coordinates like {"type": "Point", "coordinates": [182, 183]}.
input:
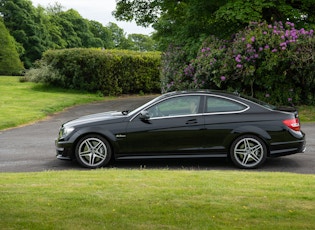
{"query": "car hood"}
{"type": "Point", "coordinates": [97, 117]}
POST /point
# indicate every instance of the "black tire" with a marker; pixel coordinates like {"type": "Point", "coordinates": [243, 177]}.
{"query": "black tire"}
{"type": "Point", "coordinates": [93, 151]}
{"type": "Point", "coordinates": [248, 152]}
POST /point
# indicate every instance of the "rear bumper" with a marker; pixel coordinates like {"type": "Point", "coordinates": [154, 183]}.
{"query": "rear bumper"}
{"type": "Point", "coordinates": [288, 148]}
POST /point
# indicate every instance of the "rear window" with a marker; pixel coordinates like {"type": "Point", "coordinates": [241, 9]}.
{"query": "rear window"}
{"type": "Point", "coordinates": [218, 104]}
{"type": "Point", "coordinates": [262, 103]}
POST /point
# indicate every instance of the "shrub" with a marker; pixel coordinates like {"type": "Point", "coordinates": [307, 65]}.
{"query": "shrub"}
{"type": "Point", "coordinates": [110, 72]}
{"type": "Point", "coordinates": [44, 73]}
{"type": "Point", "coordinates": [271, 62]}
{"type": "Point", "coordinates": [172, 75]}
{"type": "Point", "coordinates": [263, 61]}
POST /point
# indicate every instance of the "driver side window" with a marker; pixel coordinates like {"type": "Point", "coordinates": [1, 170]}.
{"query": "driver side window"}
{"type": "Point", "coordinates": [177, 106]}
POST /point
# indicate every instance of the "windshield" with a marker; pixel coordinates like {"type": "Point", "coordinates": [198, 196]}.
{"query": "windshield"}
{"type": "Point", "coordinates": [139, 109]}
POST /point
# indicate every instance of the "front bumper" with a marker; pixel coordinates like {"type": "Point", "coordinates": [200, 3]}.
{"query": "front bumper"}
{"type": "Point", "coordinates": [63, 150]}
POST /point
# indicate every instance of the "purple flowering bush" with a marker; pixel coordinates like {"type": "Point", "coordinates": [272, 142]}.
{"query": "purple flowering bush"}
{"type": "Point", "coordinates": [263, 58]}
{"type": "Point", "coordinates": [172, 71]}
{"type": "Point", "coordinates": [275, 63]}
{"type": "Point", "coordinates": [210, 66]}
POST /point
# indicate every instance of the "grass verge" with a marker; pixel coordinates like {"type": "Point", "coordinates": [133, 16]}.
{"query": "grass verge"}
{"type": "Point", "coordinates": [307, 113]}
{"type": "Point", "coordinates": [156, 199]}
{"type": "Point", "coordinates": [22, 103]}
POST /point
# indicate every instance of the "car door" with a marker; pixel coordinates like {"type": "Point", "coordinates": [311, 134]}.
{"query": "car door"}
{"type": "Point", "coordinates": [221, 115]}
{"type": "Point", "coordinates": [174, 126]}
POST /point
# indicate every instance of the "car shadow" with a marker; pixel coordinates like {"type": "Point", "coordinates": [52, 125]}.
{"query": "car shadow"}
{"type": "Point", "coordinates": [281, 164]}
{"type": "Point", "coordinates": [176, 164]}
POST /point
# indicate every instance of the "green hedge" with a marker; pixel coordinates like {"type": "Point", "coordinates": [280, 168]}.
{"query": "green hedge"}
{"type": "Point", "coordinates": [110, 72]}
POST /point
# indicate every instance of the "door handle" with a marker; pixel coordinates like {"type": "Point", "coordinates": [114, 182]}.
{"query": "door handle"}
{"type": "Point", "coordinates": [191, 122]}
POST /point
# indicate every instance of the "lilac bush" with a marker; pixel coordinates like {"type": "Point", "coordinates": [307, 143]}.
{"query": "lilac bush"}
{"type": "Point", "coordinates": [172, 74]}
{"type": "Point", "coordinates": [210, 65]}
{"type": "Point", "coordinates": [263, 57]}
{"type": "Point", "coordinates": [273, 62]}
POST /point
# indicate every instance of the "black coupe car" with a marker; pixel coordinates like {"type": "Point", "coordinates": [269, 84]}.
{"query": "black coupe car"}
{"type": "Point", "coordinates": [189, 124]}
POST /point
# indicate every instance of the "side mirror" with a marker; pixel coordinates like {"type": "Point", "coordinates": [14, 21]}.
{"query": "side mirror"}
{"type": "Point", "coordinates": [144, 115]}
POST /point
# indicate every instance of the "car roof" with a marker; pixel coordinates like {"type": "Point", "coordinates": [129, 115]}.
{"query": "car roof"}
{"type": "Point", "coordinates": [205, 91]}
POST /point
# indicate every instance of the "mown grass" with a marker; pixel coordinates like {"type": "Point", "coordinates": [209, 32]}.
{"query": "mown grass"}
{"type": "Point", "coordinates": [22, 103]}
{"type": "Point", "coordinates": [307, 113]}
{"type": "Point", "coordinates": [156, 199]}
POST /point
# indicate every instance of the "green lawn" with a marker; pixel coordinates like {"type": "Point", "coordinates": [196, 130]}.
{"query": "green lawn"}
{"type": "Point", "coordinates": [156, 199]}
{"type": "Point", "coordinates": [22, 103]}
{"type": "Point", "coordinates": [307, 113]}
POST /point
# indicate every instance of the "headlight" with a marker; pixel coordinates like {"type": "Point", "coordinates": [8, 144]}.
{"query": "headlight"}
{"type": "Point", "coordinates": [65, 131]}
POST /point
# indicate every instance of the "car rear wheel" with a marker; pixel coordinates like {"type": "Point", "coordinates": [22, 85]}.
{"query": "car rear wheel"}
{"type": "Point", "coordinates": [248, 152]}
{"type": "Point", "coordinates": [93, 151]}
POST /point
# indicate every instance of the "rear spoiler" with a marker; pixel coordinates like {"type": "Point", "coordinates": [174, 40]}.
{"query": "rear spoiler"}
{"type": "Point", "coordinates": [289, 109]}
{"type": "Point", "coordinates": [286, 109]}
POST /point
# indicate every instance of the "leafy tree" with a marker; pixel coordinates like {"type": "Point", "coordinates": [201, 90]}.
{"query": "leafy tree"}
{"type": "Point", "coordinates": [81, 27]}
{"type": "Point", "coordinates": [240, 12]}
{"type": "Point", "coordinates": [9, 58]}
{"type": "Point", "coordinates": [54, 9]}
{"type": "Point", "coordinates": [103, 33]}
{"type": "Point", "coordinates": [183, 23]}
{"type": "Point", "coordinates": [142, 42]}
{"type": "Point", "coordinates": [67, 29]}
{"type": "Point", "coordinates": [118, 36]}
{"type": "Point", "coordinates": [20, 18]}
{"type": "Point", "coordinates": [187, 23]}
{"type": "Point", "coordinates": [53, 31]}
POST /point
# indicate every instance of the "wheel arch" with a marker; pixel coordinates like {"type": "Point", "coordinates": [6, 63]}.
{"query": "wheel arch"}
{"type": "Point", "coordinates": [108, 136]}
{"type": "Point", "coordinates": [250, 130]}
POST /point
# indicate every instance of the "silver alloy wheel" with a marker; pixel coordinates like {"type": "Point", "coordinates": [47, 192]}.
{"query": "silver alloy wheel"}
{"type": "Point", "coordinates": [248, 152]}
{"type": "Point", "coordinates": [92, 152]}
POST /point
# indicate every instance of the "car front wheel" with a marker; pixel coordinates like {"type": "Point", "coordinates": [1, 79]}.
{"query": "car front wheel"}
{"type": "Point", "coordinates": [248, 152]}
{"type": "Point", "coordinates": [93, 151]}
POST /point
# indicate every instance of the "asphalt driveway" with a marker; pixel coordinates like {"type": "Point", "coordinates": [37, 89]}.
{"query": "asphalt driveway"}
{"type": "Point", "coordinates": [31, 148]}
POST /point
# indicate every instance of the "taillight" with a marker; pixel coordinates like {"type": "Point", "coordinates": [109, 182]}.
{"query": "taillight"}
{"type": "Point", "coordinates": [293, 124]}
